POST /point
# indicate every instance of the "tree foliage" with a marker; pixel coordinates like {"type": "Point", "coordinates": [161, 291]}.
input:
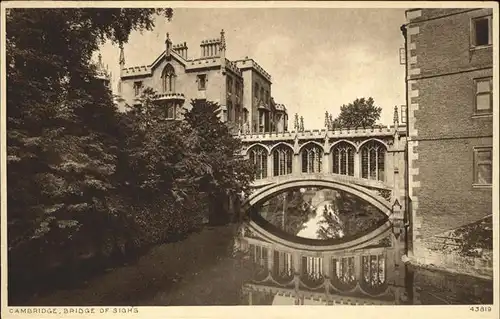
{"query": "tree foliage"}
{"type": "Point", "coordinates": [86, 182]}
{"type": "Point", "coordinates": [60, 119]}
{"type": "Point", "coordinates": [228, 173]}
{"type": "Point", "coordinates": [287, 211]}
{"type": "Point", "coordinates": [359, 113]}
{"type": "Point", "coordinates": [348, 216]}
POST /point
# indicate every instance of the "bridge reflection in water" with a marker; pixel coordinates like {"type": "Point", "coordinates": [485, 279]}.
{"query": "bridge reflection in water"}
{"type": "Point", "coordinates": [316, 246]}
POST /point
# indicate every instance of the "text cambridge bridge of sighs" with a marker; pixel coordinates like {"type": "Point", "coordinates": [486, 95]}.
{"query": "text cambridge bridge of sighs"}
{"type": "Point", "coordinates": [365, 163]}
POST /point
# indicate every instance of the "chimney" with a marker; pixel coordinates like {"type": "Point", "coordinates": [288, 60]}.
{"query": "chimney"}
{"type": "Point", "coordinates": [181, 49]}
{"type": "Point", "coordinates": [210, 48]}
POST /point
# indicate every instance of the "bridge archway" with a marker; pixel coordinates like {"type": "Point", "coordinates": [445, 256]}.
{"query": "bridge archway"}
{"type": "Point", "coordinates": [359, 191]}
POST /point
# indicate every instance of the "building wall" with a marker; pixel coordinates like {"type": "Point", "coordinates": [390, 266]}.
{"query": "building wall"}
{"type": "Point", "coordinates": [235, 97]}
{"type": "Point", "coordinates": [266, 85]}
{"type": "Point", "coordinates": [247, 95]}
{"type": "Point", "coordinates": [220, 73]}
{"type": "Point", "coordinates": [443, 45]}
{"type": "Point", "coordinates": [447, 198]}
{"type": "Point", "coordinates": [443, 126]}
{"type": "Point", "coordinates": [185, 82]}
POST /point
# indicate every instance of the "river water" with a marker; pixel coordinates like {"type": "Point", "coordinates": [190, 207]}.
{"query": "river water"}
{"type": "Point", "coordinates": [306, 246]}
{"type": "Point", "coordinates": [314, 246]}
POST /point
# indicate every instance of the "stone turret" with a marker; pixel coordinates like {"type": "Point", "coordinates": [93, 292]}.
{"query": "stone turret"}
{"type": "Point", "coordinates": [222, 48]}
{"type": "Point", "coordinates": [121, 60]}
{"type": "Point", "coordinates": [396, 118]}
{"type": "Point", "coordinates": [102, 71]}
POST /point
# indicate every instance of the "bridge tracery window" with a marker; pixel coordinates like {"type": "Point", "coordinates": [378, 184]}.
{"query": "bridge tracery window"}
{"type": "Point", "coordinates": [344, 270]}
{"type": "Point", "coordinates": [374, 270]}
{"type": "Point", "coordinates": [258, 255]}
{"type": "Point", "coordinates": [283, 266]}
{"type": "Point", "coordinates": [373, 161]}
{"type": "Point", "coordinates": [343, 158]}
{"type": "Point", "coordinates": [282, 160]}
{"type": "Point", "coordinates": [312, 267]}
{"type": "Point", "coordinates": [312, 159]}
{"type": "Point", "coordinates": [258, 157]}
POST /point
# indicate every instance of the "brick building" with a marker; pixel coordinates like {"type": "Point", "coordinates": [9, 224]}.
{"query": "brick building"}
{"type": "Point", "coordinates": [241, 87]}
{"type": "Point", "coordinates": [449, 64]}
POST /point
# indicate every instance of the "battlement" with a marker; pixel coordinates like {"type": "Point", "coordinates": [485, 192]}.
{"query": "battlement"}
{"type": "Point", "coordinates": [206, 62]}
{"type": "Point", "coordinates": [232, 66]}
{"type": "Point", "coordinates": [321, 134]}
{"type": "Point", "coordinates": [136, 71]}
{"type": "Point", "coordinates": [248, 63]}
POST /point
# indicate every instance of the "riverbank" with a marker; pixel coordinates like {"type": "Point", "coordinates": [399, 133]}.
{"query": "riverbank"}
{"type": "Point", "coordinates": [442, 287]}
{"type": "Point", "coordinates": [187, 272]}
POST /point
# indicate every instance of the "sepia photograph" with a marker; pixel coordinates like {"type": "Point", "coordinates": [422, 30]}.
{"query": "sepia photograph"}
{"type": "Point", "coordinates": [164, 154]}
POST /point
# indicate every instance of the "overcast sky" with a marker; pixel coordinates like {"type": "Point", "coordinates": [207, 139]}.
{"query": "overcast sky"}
{"type": "Point", "coordinates": [319, 59]}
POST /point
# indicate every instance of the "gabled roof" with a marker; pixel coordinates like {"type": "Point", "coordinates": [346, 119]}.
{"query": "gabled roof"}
{"type": "Point", "coordinates": [173, 54]}
{"type": "Point", "coordinates": [148, 70]}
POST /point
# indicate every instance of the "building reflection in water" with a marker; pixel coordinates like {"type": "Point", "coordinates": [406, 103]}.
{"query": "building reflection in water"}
{"type": "Point", "coordinates": [305, 255]}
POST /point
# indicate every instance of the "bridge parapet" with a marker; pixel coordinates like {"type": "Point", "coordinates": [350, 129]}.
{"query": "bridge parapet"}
{"type": "Point", "coordinates": [316, 134]}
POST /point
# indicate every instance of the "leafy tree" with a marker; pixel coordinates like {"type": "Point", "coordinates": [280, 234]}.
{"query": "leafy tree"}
{"type": "Point", "coordinates": [356, 215]}
{"type": "Point", "coordinates": [227, 173]}
{"type": "Point", "coordinates": [330, 225]}
{"type": "Point", "coordinates": [61, 134]}
{"type": "Point", "coordinates": [359, 113]}
{"type": "Point", "coordinates": [347, 216]}
{"type": "Point", "coordinates": [159, 171]}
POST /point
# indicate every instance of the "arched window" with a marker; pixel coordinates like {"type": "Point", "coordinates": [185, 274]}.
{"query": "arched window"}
{"type": "Point", "coordinates": [282, 159]}
{"type": "Point", "coordinates": [171, 111]}
{"type": "Point", "coordinates": [168, 78]}
{"type": "Point", "coordinates": [373, 161]}
{"type": "Point", "coordinates": [343, 158]}
{"type": "Point", "coordinates": [312, 159]}
{"type": "Point", "coordinates": [258, 157]}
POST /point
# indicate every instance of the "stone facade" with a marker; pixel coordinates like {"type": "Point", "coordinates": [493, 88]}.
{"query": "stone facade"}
{"type": "Point", "coordinates": [449, 82]}
{"type": "Point", "coordinates": [242, 87]}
